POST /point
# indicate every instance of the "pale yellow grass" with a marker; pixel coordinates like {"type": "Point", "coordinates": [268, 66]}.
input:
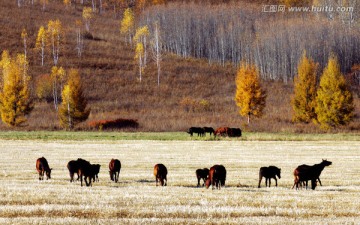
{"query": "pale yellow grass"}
{"type": "Point", "coordinates": [136, 200]}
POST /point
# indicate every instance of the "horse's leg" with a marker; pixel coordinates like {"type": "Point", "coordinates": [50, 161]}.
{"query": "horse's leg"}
{"type": "Point", "coordinates": [117, 176]}
{"type": "Point", "coordinates": [198, 184]}
{"type": "Point", "coordinates": [156, 180]}
{"type": "Point", "coordinates": [71, 177]}
{"type": "Point", "coordinates": [260, 178]}
{"type": "Point", "coordinates": [319, 181]}
{"type": "Point", "coordinates": [275, 181]}
{"type": "Point", "coordinates": [313, 184]}
{"type": "Point", "coordinates": [269, 181]}
{"type": "Point", "coordinates": [81, 179]}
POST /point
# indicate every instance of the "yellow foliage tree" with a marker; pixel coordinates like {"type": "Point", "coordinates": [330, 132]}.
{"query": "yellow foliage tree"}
{"type": "Point", "coordinates": [249, 97]}
{"type": "Point", "coordinates": [334, 101]}
{"type": "Point", "coordinates": [127, 24]}
{"type": "Point", "coordinates": [41, 43]}
{"type": "Point", "coordinates": [55, 36]}
{"type": "Point", "coordinates": [15, 100]}
{"type": "Point", "coordinates": [141, 36]}
{"type": "Point", "coordinates": [73, 109]}
{"type": "Point", "coordinates": [87, 15]}
{"type": "Point", "coordinates": [139, 55]}
{"type": "Point", "coordinates": [303, 100]}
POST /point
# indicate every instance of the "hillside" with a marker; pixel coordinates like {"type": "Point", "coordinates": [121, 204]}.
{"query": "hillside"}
{"type": "Point", "coordinates": [111, 82]}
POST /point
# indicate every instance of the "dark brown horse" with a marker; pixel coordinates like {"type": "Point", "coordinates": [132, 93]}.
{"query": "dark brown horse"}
{"type": "Point", "coordinates": [95, 170]}
{"type": "Point", "coordinates": [114, 169]}
{"type": "Point", "coordinates": [307, 173]}
{"type": "Point", "coordinates": [42, 168]}
{"type": "Point", "coordinates": [160, 173]}
{"type": "Point", "coordinates": [85, 171]}
{"type": "Point", "coordinates": [268, 173]}
{"type": "Point", "coordinates": [202, 174]}
{"type": "Point", "coordinates": [305, 183]}
{"type": "Point", "coordinates": [217, 177]}
{"type": "Point", "coordinates": [73, 168]}
{"type": "Point", "coordinates": [209, 130]}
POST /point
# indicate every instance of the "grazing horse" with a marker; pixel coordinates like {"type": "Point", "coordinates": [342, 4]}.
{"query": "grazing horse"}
{"type": "Point", "coordinates": [209, 130]}
{"type": "Point", "coordinates": [307, 173]}
{"type": "Point", "coordinates": [217, 177]}
{"type": "Point", "coordinates": [198, 130]}
{"type": "Point", "coordinates": [42, 167]}
{"type": "Point", "coordinates": [160, 173]}
{"type": "Point", "coordinates": [234, 132]}
{"type": "Point", "coordinates": [202, 174]}
{"type": "Point", "coordinates": [222, 131]}
{"type": "Point", "coordinates": [95, 170]}
{"type": "Point", "coordinates": [268, 173]}
{"type": "Point", "coordinates": [85, 170]}
{"type": "Point", "coordinates": [73, 168]}
{"type": "Point", "coordinates": [114, 169]}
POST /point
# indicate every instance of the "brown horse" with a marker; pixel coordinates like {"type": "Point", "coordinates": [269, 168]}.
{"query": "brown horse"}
{"type": "Point", "coordinates": [42, 168]}
{"type": "Point", "coordinates": [268, 173]}
{"type": "Point", "coordinates": [160, 173]}
{"type": "Point", "coordinates": [222, 131]}
{"type": "Point", "coordinates": [307, 173]}
{"type": "Point", "coordinates": [202, 174]}
{"type": "Point", "coordinates": [305, 183]}
{"type": "Point", "coordinates": [217, 177]}
{"type": "Point", "coordinates": [114, 169]}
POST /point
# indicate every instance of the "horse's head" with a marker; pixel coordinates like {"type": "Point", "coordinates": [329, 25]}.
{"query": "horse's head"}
{"type": "Point", "coordinates": [278, 173]}
{"type": "Point", "coordinates": [48, 173]}
{"type": "Point", "coordinates": [208, 183]}
{"type": "Point", "coordinates": [326, 163]}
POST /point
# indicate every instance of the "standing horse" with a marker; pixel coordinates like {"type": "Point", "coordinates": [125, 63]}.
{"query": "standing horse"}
{"type": "Point", "coordinates": [307, 173]}
{"type": "Point", "coordinates": [202, 174]}
{"type": "Point", "coordinates": [42, 167]}
{"type": "Point", "coordinates": [114, 169]}
{"type": "Point", "coordinates": [73, 168]}
{"type": "Point", "coordinates": [85, 170]}
{"type": "Point", "coordinates": [160, 173]}
{"type": "Point", "coordinates": [217, 177]}
{"type": "Point", "coordinates": [268, 173]}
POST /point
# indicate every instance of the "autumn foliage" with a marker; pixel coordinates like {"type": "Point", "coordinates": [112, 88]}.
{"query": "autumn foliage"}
{"type": "Point", "coordinates": [334, 101]}
{"type": "Point", "coordinates": [73, 108]}
{"type": "Point", "coordinates": [249, 97]}
{"type": "Point", "coordinates": [15, 99]}
{"type": "Point", "coordinates": [305, 84]}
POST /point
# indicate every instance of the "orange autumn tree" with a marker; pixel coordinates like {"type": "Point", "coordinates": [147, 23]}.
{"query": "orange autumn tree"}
{"type": "Point", "coordinates": [15, 98]}
{"type": "Point", "coordinates": [250, 96]}
{"type": "Point", "coordinates": [303, 100]}
{"type": "Point", "coordinates": [73, 108]}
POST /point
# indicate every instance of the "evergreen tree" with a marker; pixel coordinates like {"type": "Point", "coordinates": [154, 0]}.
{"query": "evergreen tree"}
{"type": "Point", "coordinates": [73, 108]}
{"type": "Point", "coordinates": [249, 97]}
{"type": "Point", "coordinates": [303, 101]}
{"type": "Point", "coordinates": [334, 101]}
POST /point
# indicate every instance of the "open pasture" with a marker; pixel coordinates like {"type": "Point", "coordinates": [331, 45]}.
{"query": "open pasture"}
{"type": "Point", "coordinates": [135, 199]}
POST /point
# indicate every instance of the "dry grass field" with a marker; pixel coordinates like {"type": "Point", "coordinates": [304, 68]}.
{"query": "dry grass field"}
{"type": "Point", "coordinates": [136, 200]}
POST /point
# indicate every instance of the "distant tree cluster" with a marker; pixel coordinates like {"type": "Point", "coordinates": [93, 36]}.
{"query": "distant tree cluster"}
{"type": "Point", "coordinates": [273, 42]}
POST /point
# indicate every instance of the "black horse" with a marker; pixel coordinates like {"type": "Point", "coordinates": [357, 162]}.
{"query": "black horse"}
{"type": "Point", "coordinates": [268, 173]}
{"type": "Point", "coordinates": [307, 173]}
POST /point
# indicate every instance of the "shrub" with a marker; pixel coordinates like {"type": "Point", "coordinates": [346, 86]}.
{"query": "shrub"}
{"type": "Point", "coordinates": [113, 124]}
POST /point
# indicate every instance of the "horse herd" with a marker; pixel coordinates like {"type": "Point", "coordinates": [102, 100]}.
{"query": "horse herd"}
{"type": "Point", "coordinates": [215, 176]}
{"type": "Point", "coordinates": [221, 131]}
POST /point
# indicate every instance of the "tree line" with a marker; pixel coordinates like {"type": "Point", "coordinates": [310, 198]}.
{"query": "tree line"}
{"type": "Point", "coordinates": [240, 32]}
{"type": "Point", "coordinates": [328, 103]}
